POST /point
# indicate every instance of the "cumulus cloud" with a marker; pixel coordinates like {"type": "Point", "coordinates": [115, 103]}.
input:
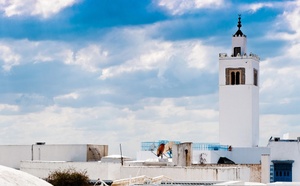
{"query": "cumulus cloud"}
{"type": "Point", "coordinates": [280, 124]}
{"type": "Point", "coordinates": [142, 62]}
{"type": "Point", "coordinates": [88, 57]}
{"type": "Point", "coordinates": [160, 55]}
{"type": "Point", "coordinates": [293, 21]}
{"type": "Point", "coordinates": [16, 52]}
{"type": "Point", "coordinates": [279, 82]}
{"type": "Point", "coordinates": [286, 26]}
{"type": "Point", "coordinates": [9, 57]}
{"type": "Point", "coordinates": [7, 108]}
{"type": "Point", "coordinates": [254, 7]}
{"type": "Point", "coordinates": [68, 96]}
{"type": "Point", "coordinates": [152, 63]}
{"type": "Point", "coordinates": [279, 87]}
{"type": "Point", "coordinates": [41, 8]}
{"type": "Point", "coordinates": [113, 125]}
{"type": "Point", "coordinates": [179, 7]}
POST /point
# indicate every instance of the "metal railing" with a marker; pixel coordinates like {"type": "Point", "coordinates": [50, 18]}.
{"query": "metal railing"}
{"type": "Point", "coordinates": [152, 146]}
{"type": "Point", "coordinates": [209, 146]}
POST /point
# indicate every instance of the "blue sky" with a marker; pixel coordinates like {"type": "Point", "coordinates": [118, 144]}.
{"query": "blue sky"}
{"type": "Point", "coordinates": [116, 71]}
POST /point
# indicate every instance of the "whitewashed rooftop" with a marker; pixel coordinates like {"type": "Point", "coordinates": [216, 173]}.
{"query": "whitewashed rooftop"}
{"type": "Point", "coordinates": [13, 177]}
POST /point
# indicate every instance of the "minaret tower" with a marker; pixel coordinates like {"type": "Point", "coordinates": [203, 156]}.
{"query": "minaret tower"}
{"type": "Point", "coordinates": [239, 94]}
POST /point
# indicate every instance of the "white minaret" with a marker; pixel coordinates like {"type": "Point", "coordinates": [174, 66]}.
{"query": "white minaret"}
{"type": "Point", "coordinates": [239, 94]}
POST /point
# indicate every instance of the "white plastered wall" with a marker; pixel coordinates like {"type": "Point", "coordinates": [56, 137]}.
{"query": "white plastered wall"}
{"type": "Point", "coordinates": [239, 104]}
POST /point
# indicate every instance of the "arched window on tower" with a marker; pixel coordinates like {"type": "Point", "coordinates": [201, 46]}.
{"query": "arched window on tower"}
{"type": "Point", "coordinates": [235, 76]}
{"type": "Point", "coordinates": [255, 77]}
{"type": "Point", "coordinates": [232, 77]}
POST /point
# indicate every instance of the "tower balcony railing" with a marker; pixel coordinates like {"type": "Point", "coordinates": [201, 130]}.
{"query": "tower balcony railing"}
{"type": "Point", "coordinates": [245, 56]}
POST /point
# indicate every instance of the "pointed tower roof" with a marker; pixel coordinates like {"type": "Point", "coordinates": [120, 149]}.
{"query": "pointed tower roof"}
{"type": "Point", "coordinates": [239, 33]}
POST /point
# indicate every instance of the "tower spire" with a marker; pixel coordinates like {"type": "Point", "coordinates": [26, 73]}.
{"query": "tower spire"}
{"type": "Point", "coordinates": [239, 22]}
{"type": "Point", "coordinates": [239, 25]}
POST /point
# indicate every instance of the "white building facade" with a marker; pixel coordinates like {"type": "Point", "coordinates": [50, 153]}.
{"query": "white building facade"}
{"type": "Point", "coordinates": [239, 95]}
{"type": "Point", "coordinates": [284, 158]}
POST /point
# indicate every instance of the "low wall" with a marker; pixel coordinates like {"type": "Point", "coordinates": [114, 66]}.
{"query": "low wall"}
{"type": "Point", "coordinates": [95, 170]}
{"type": "Point", "coordinates": [250, 173]}
{"type": "Point", "coordinates": [114, 171]}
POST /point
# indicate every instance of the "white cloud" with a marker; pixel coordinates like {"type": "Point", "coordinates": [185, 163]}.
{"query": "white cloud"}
{"type": "Point", "coordinates": [293, 20]}
{"type": "Point", "coordinates": [279, 125]}
{"type": "Point", "coordinates": [149, 60]}
{"type": "Point", "coordinates": [160, 55]}
{"type": "Point", "coordinates": [254, 7]}
{"type": "Point", "coordinates": [15, 52]}
{"type": "Point", "coordinates": [8, 108]}
{"type": "Point", "coordinates": [140, 54]}
{"type": "Point", "coordinates": [273, 77]}
{"type": "Point", "coordinates": [287, 25]}
{"type": "Point", "coordinates": [88, 57]}
{"type": "Point", "coordinates": [9, 57]}
{"type": "Point", "coordinates": [201, 56]}
{"type": "Point", "coordinates": [179, 7]}
{"type": "Point", "coordinates": [43, 8]}
{"type": "Point", "coordinates": [48, 8]}
{"type": "Point", "coordinates": [279, 77]}
{"type": "Point", "coordinates": [150, 120]}
{"type": "Point", "coordinates": [72, 95]}
{"type": "Point", "coordinates": [168, 108]}
{"type": "Point", "coordinates": [282, 69]}
{"type": "Point", "coordinates": [42, 58]}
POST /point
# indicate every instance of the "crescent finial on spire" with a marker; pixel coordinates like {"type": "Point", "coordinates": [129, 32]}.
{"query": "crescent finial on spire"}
{"type": "Point", "coordinates": [239, 22]}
